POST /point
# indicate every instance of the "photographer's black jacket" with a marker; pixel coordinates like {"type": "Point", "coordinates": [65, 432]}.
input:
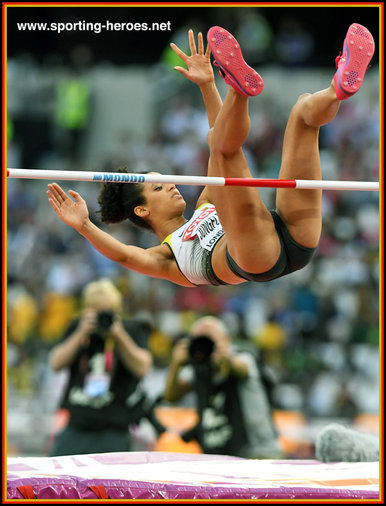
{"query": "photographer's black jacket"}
{"type": "Point", "coordinates": [235, 413]}
{"type": "Point", "coordinates": [122, 400]}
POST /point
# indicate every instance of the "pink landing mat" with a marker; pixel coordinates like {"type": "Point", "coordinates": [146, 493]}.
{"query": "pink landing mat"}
{"type": "Point", "coordinates": [163, 475]}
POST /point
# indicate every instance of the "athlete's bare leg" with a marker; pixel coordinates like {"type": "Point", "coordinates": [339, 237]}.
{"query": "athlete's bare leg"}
{"type": "Point", "coordinates": [251, 237]}
{"type": "Point", "coordinates": [301, 209]}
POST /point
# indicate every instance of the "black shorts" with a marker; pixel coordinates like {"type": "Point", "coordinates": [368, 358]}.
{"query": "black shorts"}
{"type": "Point", "coordinates": [293, 256]}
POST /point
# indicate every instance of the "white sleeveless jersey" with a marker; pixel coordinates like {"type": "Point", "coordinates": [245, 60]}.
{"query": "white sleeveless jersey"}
{"type": "Point", "coordinates": [192, 245]}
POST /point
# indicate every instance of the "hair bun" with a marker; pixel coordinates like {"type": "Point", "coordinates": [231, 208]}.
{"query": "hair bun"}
{"type": "Point", "coordinates": [118, 202]}
{"type": "Point", "coordinates": [111, 201]}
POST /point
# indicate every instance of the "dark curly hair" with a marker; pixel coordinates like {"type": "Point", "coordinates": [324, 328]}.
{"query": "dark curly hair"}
{"type": "Point", "coordinates": [118, 200]}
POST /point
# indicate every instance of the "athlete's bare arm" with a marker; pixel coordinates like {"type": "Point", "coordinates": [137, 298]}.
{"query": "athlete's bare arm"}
{"type": "Point", "coordinates": [200, 72]}
{"type": "Point", "coordinates": [156, 262]}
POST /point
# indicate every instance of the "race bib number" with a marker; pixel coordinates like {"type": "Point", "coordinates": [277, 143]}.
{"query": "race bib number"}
{"type": "Point", "coordinates": [206, 227]}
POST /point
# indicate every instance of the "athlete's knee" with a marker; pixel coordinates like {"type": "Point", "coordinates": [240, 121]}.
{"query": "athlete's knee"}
{"type": "Point", "coordinates": [215, 145]}
{"type": "Point", "coordinates": [209, 136]}
{"type": "Point", "coordinates": [304, 109]}
{"type": "Point", "coordinates": [215, 149]}
{"type": "Point", "coordinates": [223, 150]}
{"type": "Point", "coordinates": [220, 143]}
{"type": "Point", "coordinates": [303, 96]}
{"type": "Point", "coordinates": [300, 104]}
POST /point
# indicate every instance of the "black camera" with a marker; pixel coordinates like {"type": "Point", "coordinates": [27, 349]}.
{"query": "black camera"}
{"type": "Point", "coordinates": [201, 349]}
{"type": "Point", "coordinates": [105, 319]}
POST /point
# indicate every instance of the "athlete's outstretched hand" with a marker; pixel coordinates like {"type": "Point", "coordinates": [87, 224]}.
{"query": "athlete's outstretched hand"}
{"type": "Point", "coordinates": [73, 213]}
{"type": "Point", "coordinates": [199, 66]}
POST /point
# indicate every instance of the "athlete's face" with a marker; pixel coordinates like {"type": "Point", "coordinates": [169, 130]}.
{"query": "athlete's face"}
{"type": "Point", "coordinates": [163, 200]}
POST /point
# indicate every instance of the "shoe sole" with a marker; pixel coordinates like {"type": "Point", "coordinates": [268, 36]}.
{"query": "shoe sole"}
{"type": "Point", "coordinates": [227, 53]}
{"type": "Point", "coordinates": [359, 48]}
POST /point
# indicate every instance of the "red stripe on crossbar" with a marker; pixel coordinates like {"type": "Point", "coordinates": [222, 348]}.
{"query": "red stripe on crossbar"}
{"type": "Point", "coordinates": [268, 183]}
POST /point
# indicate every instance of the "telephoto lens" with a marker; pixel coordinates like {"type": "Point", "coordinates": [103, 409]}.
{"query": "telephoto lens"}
{"type": "Point", "coordinates": [201, 348]}
{"type": "Point", "coordinates": [105, 319]}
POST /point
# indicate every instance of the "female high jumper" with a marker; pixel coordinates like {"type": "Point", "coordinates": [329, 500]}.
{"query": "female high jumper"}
{"type": "Point", "coordinates": [232, 237]}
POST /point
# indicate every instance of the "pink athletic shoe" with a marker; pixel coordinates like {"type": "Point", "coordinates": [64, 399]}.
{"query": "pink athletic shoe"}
{"type": "Point", "coordinates": [358, 49]}
{"type": "Point", "coordinates": [227, 55]}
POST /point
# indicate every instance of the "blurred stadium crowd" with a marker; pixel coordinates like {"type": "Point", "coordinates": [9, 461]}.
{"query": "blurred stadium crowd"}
{"type": "Point", "coordinates": [318, 329]}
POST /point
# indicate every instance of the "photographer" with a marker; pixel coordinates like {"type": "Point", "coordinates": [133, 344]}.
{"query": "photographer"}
{"type": "Point", "coordinates": [107, 357]}
{"type": "Point", "coordinates": [232, 403]}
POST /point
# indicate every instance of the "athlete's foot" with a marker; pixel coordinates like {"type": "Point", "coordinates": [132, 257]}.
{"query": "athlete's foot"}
{"type": "Point", "coordinates": [235, 71]}
{"type": "Point", "coordinates": [358, 49]}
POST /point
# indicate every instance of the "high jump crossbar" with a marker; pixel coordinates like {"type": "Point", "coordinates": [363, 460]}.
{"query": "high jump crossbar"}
{"type": "Point", "coordinates": [120, 177]}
